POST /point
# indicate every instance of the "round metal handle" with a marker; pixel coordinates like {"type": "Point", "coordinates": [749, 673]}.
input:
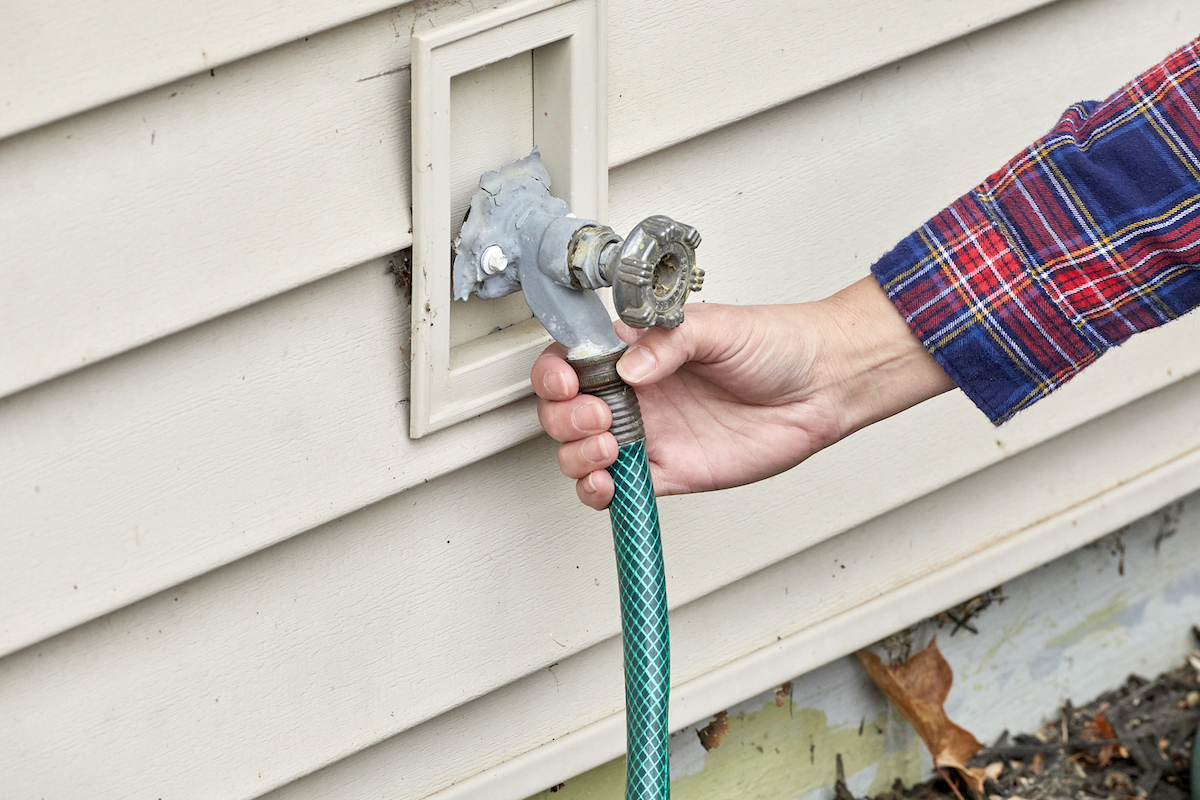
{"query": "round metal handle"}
{"type": "Point", "coordinates": [656, 273]}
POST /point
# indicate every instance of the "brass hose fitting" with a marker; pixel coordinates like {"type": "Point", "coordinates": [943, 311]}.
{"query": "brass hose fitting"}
{"type": "Point", "coordinates": [598, 376]}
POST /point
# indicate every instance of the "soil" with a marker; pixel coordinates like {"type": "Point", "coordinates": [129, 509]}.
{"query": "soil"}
{"type": "Point", "coordinates": [1132, 742]}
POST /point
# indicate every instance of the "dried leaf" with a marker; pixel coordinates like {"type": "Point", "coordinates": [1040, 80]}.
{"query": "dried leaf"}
{"type": "Point", "coordinates": [918, 688]}
{"type": "Point", "coordinates": [1109, 751]}
{"type": "Point", "coordinates": [1099, 729]}
{"type": "Point", "coordinates": [712, 733]}
{"type": "Point", "coordinates": [993, 770]}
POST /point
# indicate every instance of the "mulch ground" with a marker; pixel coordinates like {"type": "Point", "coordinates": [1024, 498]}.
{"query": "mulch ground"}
{"type": "Point", "coordinates": [1132, 742]}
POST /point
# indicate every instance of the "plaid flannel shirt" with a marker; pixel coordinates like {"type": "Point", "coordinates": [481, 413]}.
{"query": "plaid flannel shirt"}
{"type": "Point", "coordinates": [1087, 237]}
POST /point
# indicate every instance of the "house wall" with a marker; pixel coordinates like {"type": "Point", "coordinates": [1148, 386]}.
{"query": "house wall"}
{"type": "Point", "coordinates": [1067, 631]}
{"type": "Point", "coordinates": [225, 568]}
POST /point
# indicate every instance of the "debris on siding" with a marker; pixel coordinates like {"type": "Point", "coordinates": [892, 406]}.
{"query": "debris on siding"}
{"type": "Point", "coordinates": [899, 645]}
{"type": "Point", "coordinates": [783, 694]}
{"type": "Point", "coordinates": [1169, 525]}
{"type": "Point", "coordinates": [1115, 544]}
{"type": "Point", "coordinates": [840, 790]}
{"type": "Point", "coordinates": [405, 68]}
{"type": "Point", "coordinates": [711, 734]}
{"type": "Point", "coordinates": [400, 265]}
{"type": "Point", "coordinates": [961, 615]}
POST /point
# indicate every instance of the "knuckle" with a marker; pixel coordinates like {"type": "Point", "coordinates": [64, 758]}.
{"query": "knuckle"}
{"type": "Point", "coordinates": [555, 417]}
{"type": "Point", "coordinates": [569, 462]}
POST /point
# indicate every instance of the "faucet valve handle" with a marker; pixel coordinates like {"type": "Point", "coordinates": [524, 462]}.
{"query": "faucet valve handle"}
{"type": "Point", "coordinates": [656, 273]}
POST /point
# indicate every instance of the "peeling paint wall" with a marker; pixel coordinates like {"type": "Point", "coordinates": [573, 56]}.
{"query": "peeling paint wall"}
{"type": "Point", "coordinates": [1068, 630]}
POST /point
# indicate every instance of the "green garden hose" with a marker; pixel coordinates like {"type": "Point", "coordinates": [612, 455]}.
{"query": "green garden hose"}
{"type": "Point", "coordinates": [643, 587]}
{"type": "Point", "coordinates": [642, 582]}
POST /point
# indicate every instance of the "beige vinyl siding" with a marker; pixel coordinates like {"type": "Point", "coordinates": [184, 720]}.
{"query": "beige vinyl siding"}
{"type": "Point", "coordinates": [261, 424]}
{"type": "Point", "coordinates": [218, 190]}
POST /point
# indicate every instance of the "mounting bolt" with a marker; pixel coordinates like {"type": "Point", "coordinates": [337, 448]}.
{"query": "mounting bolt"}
{"type": "Point", "coordinates": [493, 260]}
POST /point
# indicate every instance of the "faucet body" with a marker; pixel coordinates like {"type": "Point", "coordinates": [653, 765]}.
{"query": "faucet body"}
{"type": "Point", "coordinates": [558, 260]}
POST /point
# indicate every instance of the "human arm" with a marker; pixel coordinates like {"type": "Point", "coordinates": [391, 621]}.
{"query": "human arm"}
{"type": "Point", "coordinates": [740, 393]}
{"type": "Point", "coordinates": [1088, 236]}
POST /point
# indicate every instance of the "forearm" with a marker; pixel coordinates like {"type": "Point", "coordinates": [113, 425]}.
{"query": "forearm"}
{"type": "Point", "coordinates": [872, 364]}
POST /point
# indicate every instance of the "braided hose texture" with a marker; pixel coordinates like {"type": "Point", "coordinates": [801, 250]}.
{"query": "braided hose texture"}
{"type": "Point", "coordinates": [643, 587]}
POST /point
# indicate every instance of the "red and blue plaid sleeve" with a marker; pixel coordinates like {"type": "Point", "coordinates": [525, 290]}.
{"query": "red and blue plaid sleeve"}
{"type": "Point", "coordinates": [1087, 237]}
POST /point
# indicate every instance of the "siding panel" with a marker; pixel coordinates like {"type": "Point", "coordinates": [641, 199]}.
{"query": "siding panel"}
{"type": "Point", "coordinates": [157, 466]}
{"type": "Point", "coordinates": [63, 57]}
{"type": "Point", "coordinates": [178, 205]}
{"type": "Point", "coordinates": [148, 469]}
{"type": "Point", "coordinates": [731, 64]}
{"type": "Point", "coordinates": [216, 191]}
{"type": "Point", "coordinates": [311, 651]}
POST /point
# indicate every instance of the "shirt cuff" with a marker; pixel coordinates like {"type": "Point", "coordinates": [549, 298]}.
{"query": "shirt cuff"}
{"type": "Point", "coordinates": [977, 307]}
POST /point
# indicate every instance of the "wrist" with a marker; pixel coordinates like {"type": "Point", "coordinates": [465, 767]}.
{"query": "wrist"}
{"type": "Point", "coordinates": [874, 366]}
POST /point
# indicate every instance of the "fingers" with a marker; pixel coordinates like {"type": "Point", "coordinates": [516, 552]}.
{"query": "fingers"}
{"type": "Point", "coordinates": [580, 422]}
{"type": "Point", "coordinates": [595, 490]}
{"type": "Point", "coordinates": [552, 376]}
{"type": "Point", "coordinates": [574, 419]}
{"type": "Point", "coordinates": [659, 353]}
{"type": "Point", "coordinates": [582, 458]}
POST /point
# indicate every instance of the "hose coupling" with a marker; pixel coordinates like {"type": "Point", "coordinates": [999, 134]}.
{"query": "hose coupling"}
{"type": "Point", "coordinates": [598, 376]}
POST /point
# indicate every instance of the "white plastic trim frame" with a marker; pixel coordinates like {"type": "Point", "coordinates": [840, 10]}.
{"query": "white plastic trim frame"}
{"type": "Point", "coordinates": [568, 40]}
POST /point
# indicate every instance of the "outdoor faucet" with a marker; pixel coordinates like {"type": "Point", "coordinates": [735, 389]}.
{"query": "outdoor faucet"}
{"type": "Point", "coordinates": [516, 236]}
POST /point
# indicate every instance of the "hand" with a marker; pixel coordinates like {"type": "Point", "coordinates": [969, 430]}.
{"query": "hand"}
{"type": "Point", "coordinates": [740, 393]}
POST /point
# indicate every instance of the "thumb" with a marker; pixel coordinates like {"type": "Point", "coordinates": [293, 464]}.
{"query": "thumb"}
{"type": "Point", "coordinates": [659, 353]}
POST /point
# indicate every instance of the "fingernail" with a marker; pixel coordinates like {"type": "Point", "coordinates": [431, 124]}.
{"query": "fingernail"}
{"type": "Point", "coordinates": [588, 417]}
{"type": "Point", "coordinates": [595, 450]}
{"type": "Point", "coordinates": [555, 385]}
{"type": "Point", "coordinates": [636, 364]}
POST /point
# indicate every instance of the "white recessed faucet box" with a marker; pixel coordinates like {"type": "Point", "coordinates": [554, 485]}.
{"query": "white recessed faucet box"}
{"type": "Point", "coordinates": [454, 380]}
